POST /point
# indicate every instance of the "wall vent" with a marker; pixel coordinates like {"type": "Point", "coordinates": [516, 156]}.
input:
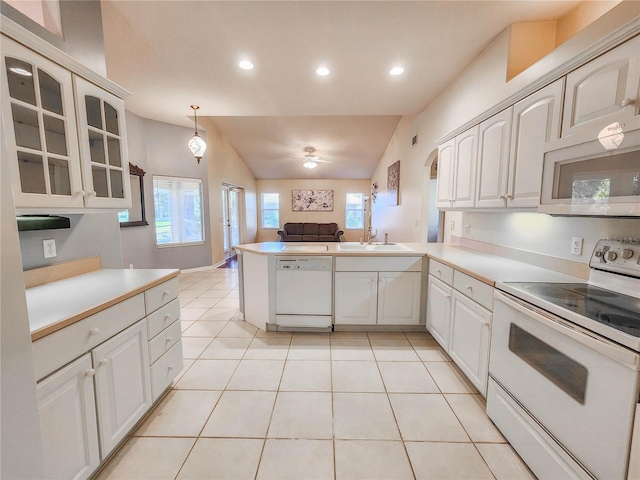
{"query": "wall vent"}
{"type": "Point", "coordinates": [414, 140]}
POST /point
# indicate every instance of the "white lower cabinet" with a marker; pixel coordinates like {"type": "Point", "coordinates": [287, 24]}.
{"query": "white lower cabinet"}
{"type": "Point", "coordinates": [399, 298]}
{"type": "Point", "coordinates": [439, 311]}
{"type": "Point", "coordinates": [68, 420]}
{"type": "Point", "coordinates": [99, 376]}
{"type": "Point", "coordinates": [470, 338]}
{"type": "Point", "coordinates": [377, 291]}
{"type": "Point", "coordinates": [459, 318]}
{"type": "Point", "coordinates": [356, 298]}
{"type": "Point", "coordinates": [123, 385]}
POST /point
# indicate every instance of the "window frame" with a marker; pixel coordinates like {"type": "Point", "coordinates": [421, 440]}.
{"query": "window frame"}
{"type": "Point", "coordinates": [347, 210]}
{"type": "Point", "coordinates": [200, 183]}
{"type": "Point", "coordinates": [263, 210]}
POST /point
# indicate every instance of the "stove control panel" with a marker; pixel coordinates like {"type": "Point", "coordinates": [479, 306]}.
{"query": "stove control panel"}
{"type": "Point", "coordinates": [617, 255]}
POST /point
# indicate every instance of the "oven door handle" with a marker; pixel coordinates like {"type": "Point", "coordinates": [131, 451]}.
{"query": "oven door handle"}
{"type": "Point", "coordinates": [610, 349]}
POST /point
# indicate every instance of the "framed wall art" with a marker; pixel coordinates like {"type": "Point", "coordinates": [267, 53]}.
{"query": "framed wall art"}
{"type": "Point", "coordinates": [393, 184]}
{"type": "Point", "coordinates": [312, 200]}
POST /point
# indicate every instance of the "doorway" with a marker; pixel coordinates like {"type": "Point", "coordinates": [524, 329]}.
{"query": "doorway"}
{"type": "Point", "coordinates": [435, 218]}
{"type": "Point", "coordinates": [232, 198]}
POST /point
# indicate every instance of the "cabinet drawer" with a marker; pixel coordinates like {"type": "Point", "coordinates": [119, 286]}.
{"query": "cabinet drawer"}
{"type": "Point", "coordinates": [164, 341]}
{"type": "Point", "coordinates": [441, 271]}
{"type": "Point", "coordinates": [161, 294]}
{"type": "Point", "coordinates": [163, 317]}
{"type": "Point", "coordinates": [165, 370]}
{"type": "Point", "coordinates": [474, 289]}
{"type": "Point", "coordinates": [59, 348]}
{"type": "Point", "coordinates": [378, 264]}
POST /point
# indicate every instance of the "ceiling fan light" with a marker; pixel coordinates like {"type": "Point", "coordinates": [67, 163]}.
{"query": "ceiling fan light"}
{"type": "Point", "coordinates": [310, 164]}
{"type": "Point", "coordinates": [246, 65]}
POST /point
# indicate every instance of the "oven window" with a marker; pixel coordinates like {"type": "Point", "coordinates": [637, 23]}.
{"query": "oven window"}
{"type": "Point", "coordinates": [599, 179]}
{"type": "Point", "coordinates": [565, 373]}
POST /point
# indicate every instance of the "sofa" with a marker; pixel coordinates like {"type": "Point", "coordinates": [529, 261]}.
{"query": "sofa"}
{"type": "Point", "coordinates": [310, 232]}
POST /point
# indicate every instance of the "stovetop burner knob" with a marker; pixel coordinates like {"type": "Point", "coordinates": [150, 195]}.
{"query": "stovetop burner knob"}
{"type": "Point", "coordinates": [610, 256]}
{"type": "Point", "coordinates": [627, 253]}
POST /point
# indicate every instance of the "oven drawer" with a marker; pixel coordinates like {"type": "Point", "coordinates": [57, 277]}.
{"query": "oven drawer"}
{"type": "Point", "coordinates": [541, 453]}
{"type": "Point", "coordinates": [476, 290]}
{"type": "Point", "coordinates": [581, 388]}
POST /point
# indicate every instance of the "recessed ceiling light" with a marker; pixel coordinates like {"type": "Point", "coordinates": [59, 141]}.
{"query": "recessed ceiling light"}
{"type": "Point", "coordinates": [21, 71]}
{"type": "Point", "coordinates": [323, 71]}
{"type": "Point", "coordinates": [246, 65]}
{"type": "Point", "coordinates": [396, 71]}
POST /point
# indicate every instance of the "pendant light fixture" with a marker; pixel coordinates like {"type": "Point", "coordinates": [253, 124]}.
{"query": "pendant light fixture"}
{"type": "Point", "coordinates": [197, 145]}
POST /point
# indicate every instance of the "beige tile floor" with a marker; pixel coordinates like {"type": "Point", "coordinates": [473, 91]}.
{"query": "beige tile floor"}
{"type": "Point", "coordinates": [345, 405]}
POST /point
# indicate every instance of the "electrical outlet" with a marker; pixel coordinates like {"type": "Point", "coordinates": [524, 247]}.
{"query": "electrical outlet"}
{"type": "Point", "coordinates": [49, 247]}
{"type": "Point", "coordinates": [452, 225]}
{"type": "Point", "coordinates": [467, 230]}
{"type": "Point", "coordinates": [576, 246]}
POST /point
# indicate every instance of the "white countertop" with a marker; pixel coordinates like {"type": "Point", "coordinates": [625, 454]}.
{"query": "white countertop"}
{"type": "Point", "coordinates": [318, 248]}
{"type": "Point", "coordinates": [57, 304]}
{"type": "Point", "coordinates": [492, 269]}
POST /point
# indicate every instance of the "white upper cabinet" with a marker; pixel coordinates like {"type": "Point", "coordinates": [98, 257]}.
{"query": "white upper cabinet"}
{"type": "Point", "coordinates": [444, 198]}
{"type": "Point", "coordinates": [103, 146]}
{"type": "Point", "coordinates": [511, 149]}
{"type": "Point", "coordinates": [465, 168]}
{"type": "Point", "coordinates": [457, 170]}
{"type": "Point", "coordinates": [603, 91]}
{"type": "Point", "coordinates": [39, 126]}
{"type": "Point", "coordinates": [493, 160]}
{"type": "Point", "coordinates": [536, 120]}
{"type": "Point", "coordinates": [67, 145]}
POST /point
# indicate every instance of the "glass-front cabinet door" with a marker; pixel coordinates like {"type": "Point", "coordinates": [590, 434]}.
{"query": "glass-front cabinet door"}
{"type": "Point", "coordinates": [103, 146]}
{"type": "Point", "coordinates": [38, 122]}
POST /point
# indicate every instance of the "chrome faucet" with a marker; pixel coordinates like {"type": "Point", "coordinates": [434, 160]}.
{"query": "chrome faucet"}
{"type": "Point", "coordinates": [372, 237]}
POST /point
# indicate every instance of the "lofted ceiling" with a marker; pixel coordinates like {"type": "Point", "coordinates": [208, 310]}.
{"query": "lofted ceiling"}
{"type": "Point", "coordinates": [172, 54]}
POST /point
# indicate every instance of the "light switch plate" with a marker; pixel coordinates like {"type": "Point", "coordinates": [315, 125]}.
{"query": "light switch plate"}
{"type": "Point", "coordinates": [49, 247]}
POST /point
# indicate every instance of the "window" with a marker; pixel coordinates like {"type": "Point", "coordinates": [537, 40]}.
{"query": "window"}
{"type": "Point", "coordinates": [355, 210]}
{"type": "Point", "coordinates": [178, 211]}
{"type": "Point", "coordinates": [270, 210]}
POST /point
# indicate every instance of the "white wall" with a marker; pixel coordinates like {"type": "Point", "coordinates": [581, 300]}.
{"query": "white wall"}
{"type": "Point", "coordinates": [477, 89]}
{"type": "Point", "coordinates": [340, 189]}
{"type": "Point", "coordinates": [89, 235]}
{"type": "Point", "coordinates": [161, 149]}
{"type": "Point", "coordinates": [225, 166]}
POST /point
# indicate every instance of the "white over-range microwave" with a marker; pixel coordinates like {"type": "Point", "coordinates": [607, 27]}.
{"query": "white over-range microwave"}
{"type": "Point", "coordinates": [594, 175]}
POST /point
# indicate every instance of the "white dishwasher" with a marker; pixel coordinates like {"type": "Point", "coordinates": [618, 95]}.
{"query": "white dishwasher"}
{"type": "Point", "coordinates": [304, 292]}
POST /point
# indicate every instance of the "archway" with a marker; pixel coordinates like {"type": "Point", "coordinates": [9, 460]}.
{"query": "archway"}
{"type": "Point", "coordinates": [432, 218]}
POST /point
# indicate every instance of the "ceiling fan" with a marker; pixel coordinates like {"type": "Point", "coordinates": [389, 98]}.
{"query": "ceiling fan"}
{"type": "Point", "coordinates": [311, 160]}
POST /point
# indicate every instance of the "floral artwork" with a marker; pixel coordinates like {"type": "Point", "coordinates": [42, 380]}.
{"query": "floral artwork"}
{"type": "Point", "coordinates": [393, 183]}
{"type": "Point", "coordinates": [312, 200]}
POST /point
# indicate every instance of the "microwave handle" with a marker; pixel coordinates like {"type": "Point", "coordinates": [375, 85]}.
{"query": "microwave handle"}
{"type": "Point", "coordinates": [611, 350]}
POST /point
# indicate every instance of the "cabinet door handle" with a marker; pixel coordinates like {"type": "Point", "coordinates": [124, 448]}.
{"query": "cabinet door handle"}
{"type": "Point", "coordinates": [167, 316]}
{"type": "Point", "coordinates": [94, 331]}
{"type": "Point", "coordinates": [448, 297]}
{"type": "Point", "coordinates": [169, 339]}
{"type": "Point", "coordinates": [165, 293]}
{"type": "Point", "coordinates": [79, 193]}
{"type": "Point", "coordinates": [439, 272]}
{"type": "Point", "coordinates": [170, 367]}
{"type": "Point", "coordinates": [470, 288]}
{"type": "Point", "coordinates": [103, 362]}
{"type": "Point", "coordinates": [90, 373]}
{"type": "Point", "coordinates": [92, 193]}
{"type": "Point", "coordinates": [626, 102]}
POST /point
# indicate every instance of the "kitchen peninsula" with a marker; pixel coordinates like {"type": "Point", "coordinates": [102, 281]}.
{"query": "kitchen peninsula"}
{"type": "Point", "coordinates": [325, 286]}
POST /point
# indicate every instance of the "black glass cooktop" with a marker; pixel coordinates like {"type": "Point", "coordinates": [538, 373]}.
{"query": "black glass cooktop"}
{"type": "Point", "coordinates": [617, 310]}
